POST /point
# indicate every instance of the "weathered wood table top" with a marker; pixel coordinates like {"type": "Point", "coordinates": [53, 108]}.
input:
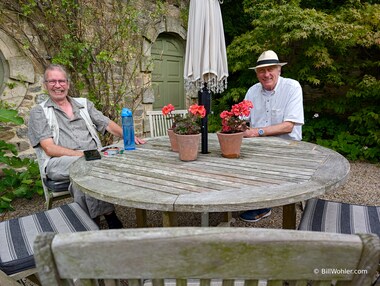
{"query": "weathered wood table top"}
{"type": "Point", "coordinates": [270, 172]}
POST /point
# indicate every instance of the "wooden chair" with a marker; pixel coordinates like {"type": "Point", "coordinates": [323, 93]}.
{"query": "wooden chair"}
{"type": "Point", "coordinates": [53, 190]}
{"type": "Point", "coordinates": [151, 255]}
{"type": "Point", "coordinates": [17, 236]}
{"type": "Point", "coordinates": [159, 124]}
{"type": "Point", "coordinates": [328, 216]}
{"type": "Point", "coordinates": [7, 281]}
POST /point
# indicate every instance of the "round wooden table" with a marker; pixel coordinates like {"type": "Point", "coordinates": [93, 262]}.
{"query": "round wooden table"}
{"type": "Point", "coordinates": [270, 172]}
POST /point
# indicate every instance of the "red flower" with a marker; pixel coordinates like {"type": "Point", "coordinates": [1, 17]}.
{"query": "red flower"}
{"type": "Point", "coordinates": [168, 109]}
{"type": "Point", "coordinates": [233, 121]}
{"type": "Point", "coordinates": [198, 110]}
{"type": "Point", "coordinates": [226, 114]}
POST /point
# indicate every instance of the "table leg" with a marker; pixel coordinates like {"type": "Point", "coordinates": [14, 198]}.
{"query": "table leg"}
{"type": "Point", "coordinates": [289, 216]}
{"type": "Point", "coordinates": [169, 219]}
{"type": "Point", "coordinates": [141, 219]}
{"type": "Point", "coordinates": [228, 217]}
{"type": "Point", "coordinates": [205, 219]}
{"type": "Point", "coordinates": [227, 220]}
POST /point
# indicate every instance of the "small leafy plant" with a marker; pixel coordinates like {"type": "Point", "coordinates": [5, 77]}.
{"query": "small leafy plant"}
{"type": "Point", "coordinates": [22, 178]}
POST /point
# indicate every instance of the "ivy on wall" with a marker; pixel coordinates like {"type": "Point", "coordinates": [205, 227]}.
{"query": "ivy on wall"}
{"type": "Point", "coordinates": [99, 42]}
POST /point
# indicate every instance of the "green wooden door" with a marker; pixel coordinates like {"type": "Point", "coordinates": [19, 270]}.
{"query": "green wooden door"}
{"type": "Point", "coordinates": [167, 76]}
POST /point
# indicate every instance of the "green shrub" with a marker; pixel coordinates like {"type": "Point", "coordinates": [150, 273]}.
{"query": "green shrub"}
{"type": "Point", "coordinates": [334, 51]}
{"type": "Point", "coordinates": [21, 177]}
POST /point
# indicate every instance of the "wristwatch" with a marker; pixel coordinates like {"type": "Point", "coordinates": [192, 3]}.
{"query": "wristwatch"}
{"type": "Point", "coordinates": [261, 132]}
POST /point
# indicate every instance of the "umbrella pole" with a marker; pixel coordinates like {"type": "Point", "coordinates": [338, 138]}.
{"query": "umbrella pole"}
{"type": "Point", "coordinates": [204, 98]}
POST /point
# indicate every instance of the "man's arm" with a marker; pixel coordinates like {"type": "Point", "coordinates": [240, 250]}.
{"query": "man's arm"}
{"type": "Point", "coordinates": [116, 130]}
{"type": "Point", "coordinates": [53, 150]}
{"type": "Point", "coordinates": [278, 129]}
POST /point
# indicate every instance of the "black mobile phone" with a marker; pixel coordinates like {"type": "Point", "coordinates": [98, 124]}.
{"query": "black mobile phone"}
{"type": "Point", "coordinates": [90, 155]}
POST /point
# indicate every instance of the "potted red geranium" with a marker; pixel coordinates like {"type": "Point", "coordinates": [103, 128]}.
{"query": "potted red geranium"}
{"type": "Point", "coordinates": [187, 130]}
{"type": "Point", "coordinates": [233, 126]}
{"type": "Point", "coordinates": [168, 110]}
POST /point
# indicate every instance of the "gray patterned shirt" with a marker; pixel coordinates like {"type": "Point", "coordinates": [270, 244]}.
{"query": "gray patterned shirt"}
{"type": "Point", "coordinates": [73, 133]}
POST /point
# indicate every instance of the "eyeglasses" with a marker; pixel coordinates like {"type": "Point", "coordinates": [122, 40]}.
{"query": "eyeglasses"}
{"type": "Point", "coordinates": [266, 69]}
{"type": "Point", "coordinates": [54, 82]}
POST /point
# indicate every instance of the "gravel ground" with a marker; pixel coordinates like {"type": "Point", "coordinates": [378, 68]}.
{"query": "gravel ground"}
{"type": "Point", "coordinates": [363, 187]}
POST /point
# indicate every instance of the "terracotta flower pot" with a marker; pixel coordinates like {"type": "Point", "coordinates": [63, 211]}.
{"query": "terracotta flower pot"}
{"type": "Point", "coordinates": [173, 140]}
{"type": "Point", "coordinates": [230, 144]}
{"type": "Point", "coordinates": [188, 146]}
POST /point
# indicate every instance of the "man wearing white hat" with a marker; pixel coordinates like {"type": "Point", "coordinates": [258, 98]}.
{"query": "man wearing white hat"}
{"type": "Point", "coordinates": [277, 109]}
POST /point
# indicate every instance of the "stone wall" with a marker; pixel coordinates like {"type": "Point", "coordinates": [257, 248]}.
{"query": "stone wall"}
{"type": "Point", "coordinates": [23, 86]}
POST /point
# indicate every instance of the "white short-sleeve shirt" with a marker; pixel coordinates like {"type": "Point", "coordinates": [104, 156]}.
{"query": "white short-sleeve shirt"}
{"type": "Point", "coordinates": [284, 103]}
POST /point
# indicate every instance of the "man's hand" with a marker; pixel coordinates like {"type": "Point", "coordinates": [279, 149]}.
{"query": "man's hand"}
{"type": "Point", "coordinates": [139, 141]}
{"type": "Point", "coordinates": [251, 132]}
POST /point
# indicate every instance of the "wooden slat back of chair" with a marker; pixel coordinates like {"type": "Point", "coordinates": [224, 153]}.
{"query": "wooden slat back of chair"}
{"type": "Point", "coordinates": [159, 124]}
{"type": "Point", "coordinates": [250, 254]}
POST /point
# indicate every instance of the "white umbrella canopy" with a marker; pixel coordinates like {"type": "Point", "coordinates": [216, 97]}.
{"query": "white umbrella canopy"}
{"type": "Point", "coordinates": [206, 57]}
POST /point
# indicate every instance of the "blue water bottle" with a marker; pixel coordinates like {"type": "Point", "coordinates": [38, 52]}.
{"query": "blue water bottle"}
{"type": "Point", "coordinates": [128, 129]}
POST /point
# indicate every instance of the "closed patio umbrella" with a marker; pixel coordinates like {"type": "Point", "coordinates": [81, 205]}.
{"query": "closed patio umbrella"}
{"type": "Point", "coordinates": [206, 67]}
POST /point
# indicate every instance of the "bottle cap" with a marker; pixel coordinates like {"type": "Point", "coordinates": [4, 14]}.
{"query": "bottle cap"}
{"type": "Point", "coordinates": [126, 112]}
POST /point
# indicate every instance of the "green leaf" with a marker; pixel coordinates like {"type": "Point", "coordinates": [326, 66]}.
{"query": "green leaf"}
{"type": "Point", "coordinates": [7, 147]}
{"type": "Point", "coordinates": [7, 115]}
{"type": "Point", "coordinates": [22, 191]}
{"type": "Point", "coordinates": [27, 182]}
{"type": "Point", "coordinates": [6, 199]}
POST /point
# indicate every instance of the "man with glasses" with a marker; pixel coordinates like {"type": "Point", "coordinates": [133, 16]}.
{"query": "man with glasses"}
{"type": "Point", "coordinates": [63, 127]}
{"type": "Point", "coordinates": [277, 110]}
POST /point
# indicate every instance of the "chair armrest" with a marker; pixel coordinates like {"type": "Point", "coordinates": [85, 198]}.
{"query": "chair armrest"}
{"type": "Point", "coordinates": [6, 280]}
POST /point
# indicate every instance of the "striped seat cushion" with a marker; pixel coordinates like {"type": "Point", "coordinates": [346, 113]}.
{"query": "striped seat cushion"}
{"type": "Point", "coordinates": [17, 235]}
{"type": "Point", "coordinates": [196, 282]}
{"type": "Point", "coordinates": [327, 216]}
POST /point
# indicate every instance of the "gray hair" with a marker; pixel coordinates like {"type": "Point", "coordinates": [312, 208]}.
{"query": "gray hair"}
{"type": "Point", "coordinates": [56, 67]}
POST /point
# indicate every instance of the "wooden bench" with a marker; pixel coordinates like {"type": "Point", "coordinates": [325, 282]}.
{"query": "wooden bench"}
{"type": "Point", "coordinates": [151, 256]}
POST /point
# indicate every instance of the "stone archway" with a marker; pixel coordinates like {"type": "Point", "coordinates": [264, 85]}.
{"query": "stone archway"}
{"type": "Point", "coordinates": [4, 72]}
{"type": "Point", "coordinates": [169, 25]}
{"type": "Point", "coordinates": [167, 75]}
{"type": "Point", "coordinates": [18, 72]}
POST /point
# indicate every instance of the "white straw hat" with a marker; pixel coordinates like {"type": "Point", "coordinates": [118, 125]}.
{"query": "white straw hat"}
{"type": "Point", "coordinates": [268, 58]}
